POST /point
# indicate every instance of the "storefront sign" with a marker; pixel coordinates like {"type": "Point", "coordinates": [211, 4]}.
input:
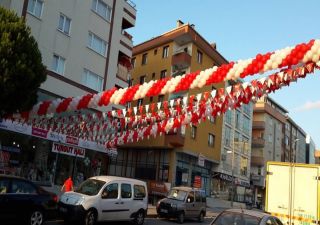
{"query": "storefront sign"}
{"type": "Point", "coordinates": [68, 150]}
{"type": "Point", "coordinates": [197, 182]}
{"type": "Point", "coordinates": [201, 160]}
{"type": "Point", "coordinates": [39, 132]}
{"type": "Point", "coordinates": [72, 140]}
{"type": "Point", "coordinates": [226, 177]}
{"type": "Point", "coordinates": [158, 188]}
{"type": "Point", "coordinates": [53, 136]}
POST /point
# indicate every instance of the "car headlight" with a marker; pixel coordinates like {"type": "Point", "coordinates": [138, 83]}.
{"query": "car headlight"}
{"type": "Point", "coordinates": [79, 201]}
{"type": "Point", "coordinates": [174, 206]}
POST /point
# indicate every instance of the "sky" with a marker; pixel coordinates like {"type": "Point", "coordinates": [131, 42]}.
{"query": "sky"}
{"type": "Point", "coordinates": [241, 30]}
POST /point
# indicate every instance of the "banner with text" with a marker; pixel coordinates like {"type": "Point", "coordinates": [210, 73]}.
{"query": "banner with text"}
{"type": "Point", "coordinates": [68, 150]}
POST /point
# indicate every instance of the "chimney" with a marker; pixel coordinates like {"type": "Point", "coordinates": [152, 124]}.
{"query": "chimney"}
{"type": "Point", "coordinates": [214, 45]}
{"type": "Point", "coordinates": [179, 23]}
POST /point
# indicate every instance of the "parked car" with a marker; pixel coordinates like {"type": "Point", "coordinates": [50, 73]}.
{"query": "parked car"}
{"type": "Point", "coordinates": [183, 202]}
{"type": "Point", "coordinates": [245, 217]}
{"type": "Point", "coordinates": [24, 201]}
{"type": "Point", "coordinates": [106, 198]}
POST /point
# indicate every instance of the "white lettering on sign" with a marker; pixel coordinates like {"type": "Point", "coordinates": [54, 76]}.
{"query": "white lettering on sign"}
{"type": "Point", "coordinates": [68, 150]}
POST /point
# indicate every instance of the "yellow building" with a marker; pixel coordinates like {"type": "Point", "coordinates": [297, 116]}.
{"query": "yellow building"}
{"type": "Point", "coordinates": [177, 158]}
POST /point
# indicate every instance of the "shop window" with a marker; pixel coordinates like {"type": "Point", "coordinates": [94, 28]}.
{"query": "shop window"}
{"type": "Point", "coordinates": [126, 191]}
{"type": "Point", "coordinates": [110, 192]}
{"type": "Point", "coordinates": [139, 191]}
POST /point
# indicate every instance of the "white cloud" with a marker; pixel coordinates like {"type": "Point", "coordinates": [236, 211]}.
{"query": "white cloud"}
{"type": "Point", "coordinates": [309, 106]}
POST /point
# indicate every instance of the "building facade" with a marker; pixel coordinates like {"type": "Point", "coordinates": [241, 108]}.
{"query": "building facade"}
{"type": "Point", "coordinates": [86, 49]}
{"type": "Point", "coordinates": [235, 156]}
{"type": "Point", "coordinates": [269, 119]}
{"type": "Point", "coordinates": [310, 150]}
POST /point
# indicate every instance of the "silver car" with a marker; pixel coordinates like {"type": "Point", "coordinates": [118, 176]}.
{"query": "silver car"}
{"type": "Point", "coordinates": [183, 202]}
{"type": "Point", "coordinates": [245, 217]}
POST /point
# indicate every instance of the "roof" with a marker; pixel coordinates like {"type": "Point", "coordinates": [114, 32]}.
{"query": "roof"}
{"type": "Point", "coordinates": [248, 212]}
{"type": "Point", "coordinates": [184, 188]}
{"type": "Point", "coordinates": [109, 178]}
{"type": "Point", "coordinates": [171, 35]}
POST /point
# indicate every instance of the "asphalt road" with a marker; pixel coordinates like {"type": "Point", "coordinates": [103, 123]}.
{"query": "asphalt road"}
{"type": "Point", "coordinates": [148, 221]}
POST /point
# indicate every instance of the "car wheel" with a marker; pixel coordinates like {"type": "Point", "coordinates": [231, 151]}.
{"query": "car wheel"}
{"type": "Point", "coordinates": [180, 217]}
{"type": "Point", "coordinates": [201, 217]}
{"type": "Point", "coordinates": [139, 218]}
{"type": "Point", "coordinates": [90, 218]}
{"type": "Point", "coordinates": [36, 217]}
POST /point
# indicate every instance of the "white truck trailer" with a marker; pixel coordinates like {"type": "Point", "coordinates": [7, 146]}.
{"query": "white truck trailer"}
{"type": "Point", "coordinates": [292, 192]}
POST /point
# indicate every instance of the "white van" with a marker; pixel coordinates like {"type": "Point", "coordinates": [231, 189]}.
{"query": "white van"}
{"type": "Point", "coordinates": [106, 198]}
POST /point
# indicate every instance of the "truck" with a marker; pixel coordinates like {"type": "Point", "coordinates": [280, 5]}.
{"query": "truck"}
{"type": "Point", "coordinates": [293, 192]}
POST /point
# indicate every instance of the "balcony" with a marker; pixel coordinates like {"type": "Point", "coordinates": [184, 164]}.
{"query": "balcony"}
{"type": "Point", "coordinates": [174, 139]}
{"type": "Point", "coordinates": [257, 161]}
{"type": "Point", "coordinates": [181, 60]}
{"type": "Point", "coordinates": [258, 143]}
{"type": "Point", "coordinates": [258, 125]}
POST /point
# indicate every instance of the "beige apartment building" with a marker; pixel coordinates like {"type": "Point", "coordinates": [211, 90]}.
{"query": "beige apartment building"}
{"type": "Point", "coordinates": [86, 48]}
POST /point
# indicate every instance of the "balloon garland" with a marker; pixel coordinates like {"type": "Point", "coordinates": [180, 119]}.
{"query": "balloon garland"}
{"type": "Point", "coordinates": [95, 127]}
{"type": "Point", "coordinates": [287, 57]}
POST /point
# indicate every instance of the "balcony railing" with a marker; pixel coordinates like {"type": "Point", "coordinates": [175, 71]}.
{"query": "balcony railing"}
{"type": "Point", "coordinates": [258, 125]}
{"type": "Point", "coordinates": [131, 3]}
{"type": "Point", "coordinates": [127, 35]}
{"type": "Point", "coordinates": [175, 139]}
{"type": "Point", "coordinates": [122, 72]}
{"type": "Point", "coordinates": [181, 60]}
{"type": "Point", "coordinates": [258, 142]}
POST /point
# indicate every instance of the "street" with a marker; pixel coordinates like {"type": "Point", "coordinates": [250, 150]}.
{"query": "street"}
{"type": "Point", "coordinates": [148, 221]}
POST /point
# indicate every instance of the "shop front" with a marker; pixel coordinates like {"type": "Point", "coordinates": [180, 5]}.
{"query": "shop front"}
{"type": "Point", "coordinates": [31, 154]}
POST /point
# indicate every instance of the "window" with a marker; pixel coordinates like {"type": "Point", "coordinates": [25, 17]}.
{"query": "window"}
{"type": "Point", "coordinates": [160, 98]}
{"type": "Point", "coordinates": [97, 44]}
{"type": "Point", "coordinates": [139, 191]}
{"type": "Point", "coordinates": [163, 74]}
{"type": "Point", "coordinates": [155, 51]}
{"type": "Point", "coordinates": [126, 191]}
{"type": "Point", "coordinates": [228, 117]}
{"type": "Point", "coordinates": [110, 192]}
{"type": "Point", "coordinates": [102, 9]}
{"type": "Point", "coordinates": [142, 79]}
{"type": "Point", "coordinates": [133, 62]}
{"type": "Point", "coordinates": [92, 80]}
{"type": "Point", "coordinates": [165, 52]}
{"type": "Point", "coordinates": [140, 101]}
{"type": "Point", "coordinates": [211, 140]}
{"type": "Point", "coordinates": [212, 120]}
{"type": "Point", "coordinates": [246, 125]}
{"type": "Point", "coordinates": [198, 196]}
{"type": "Point", "coordinates": [22, 187]}
{"type": "Point", "coordinates": [4, 186]}
{"type": "Point", "coordinates": [243, 166]}
{"type": "Point", "coordinates": [199, 56]}
{"type": "Point", "coordinates": [35, 7]}
{"type": "Point", "coordinates": [153, 75]}
{"type": "Point", "coordinates": [246, 108]}
{"type": "Point", "coordinates": [58, 64]}
{"type": "Point", "coordinates": [238, 118]}
{"type": "Point", "coordinates": [193, 132]}
{"type": "Point", "coordinates": [144, 59]}
{"type": "Point", "coordinates": [190, 198]}
{"type": "Point", "coordinates": [227, 134]}
{"type": "Point", "coordinates": [64, 24]}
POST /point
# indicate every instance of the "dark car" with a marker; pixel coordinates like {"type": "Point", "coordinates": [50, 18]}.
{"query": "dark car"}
{"type": "Point", "coordinates": [22, 200]}
{"type": "Point", "coordinates": [245, 217]}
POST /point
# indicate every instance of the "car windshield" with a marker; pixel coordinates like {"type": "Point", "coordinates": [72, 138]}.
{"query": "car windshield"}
{"type": "Point", "coordinates": [90, 187]}
{"type": "Point", "coordinates": [177, 194]}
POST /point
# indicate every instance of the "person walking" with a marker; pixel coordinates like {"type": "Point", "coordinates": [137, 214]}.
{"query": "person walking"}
{"type": "Point", "coordinates": [68, 185]}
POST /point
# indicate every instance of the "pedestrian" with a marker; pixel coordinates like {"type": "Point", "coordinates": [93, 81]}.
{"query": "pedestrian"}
{"type": "Point", "coordinates": [68, 185]}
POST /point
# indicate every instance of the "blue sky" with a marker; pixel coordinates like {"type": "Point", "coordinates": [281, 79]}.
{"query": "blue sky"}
{"type": "Point", "coordinates": [241, 29]}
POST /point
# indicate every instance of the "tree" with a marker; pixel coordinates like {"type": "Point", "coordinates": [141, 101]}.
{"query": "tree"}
{"type": "Point", "coordinates": [21, 68]}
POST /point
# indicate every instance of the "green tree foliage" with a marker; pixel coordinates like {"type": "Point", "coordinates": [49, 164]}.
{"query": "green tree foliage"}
{"type": "Point", "coordinates": [21, 68]}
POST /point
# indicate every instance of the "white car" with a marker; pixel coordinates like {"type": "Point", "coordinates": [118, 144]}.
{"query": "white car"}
{"type": "Point", "coordinates": [106, 198]}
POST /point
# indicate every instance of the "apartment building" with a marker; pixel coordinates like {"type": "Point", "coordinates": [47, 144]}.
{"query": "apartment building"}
{"type": "Point", "coordinates": [232, 175]}
{"type": "Point", "coordinates": [310, 150]}
{"type": "Point", "coordinates": [269, 119]}
{"type": "Point", "coordinates": [187, 156]}
{"type": "Point", "coordinates": [86, 48]}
